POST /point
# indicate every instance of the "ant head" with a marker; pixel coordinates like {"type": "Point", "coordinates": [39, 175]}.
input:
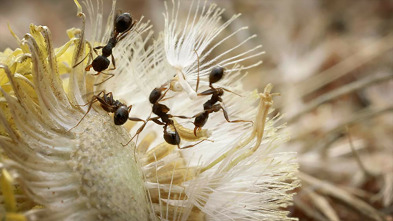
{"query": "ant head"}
{"type": "Point", "coordinates": [121, 115]}
{"type": "Point", "coordinates": [155, 95]}
{"type": "Point", "coordinates": [172, 138]}
{"type": "Point", "coordinates": [123, 22]}
{"type": "Point", "coordinates": [216, 74]}
{"type": "Point", "coordinates": [100, 63]}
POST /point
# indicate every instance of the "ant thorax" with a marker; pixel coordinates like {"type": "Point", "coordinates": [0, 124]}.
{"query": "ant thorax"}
{"type": "Point", "coordinates": [107, 50]}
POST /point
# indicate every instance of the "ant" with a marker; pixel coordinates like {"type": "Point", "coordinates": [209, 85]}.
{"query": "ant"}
{"type": "Point", "coordinates": [211, 105]}
{"type": "Point", "coordinates": [163, 118]}
{"type": "Point", "coordinates": [122, 25]}
{"type": "Point", "coordinates": [120, 110]}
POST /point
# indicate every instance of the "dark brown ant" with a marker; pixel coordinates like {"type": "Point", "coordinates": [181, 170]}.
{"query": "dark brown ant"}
{"type": "Point", "coordinates": [120, 110]}
{"type": "Point", "coordinates": [211, 105]}
{"type": "Point", "coordinates": [163, 118]}
{"type": "Point", "coordinates": [122, 25]}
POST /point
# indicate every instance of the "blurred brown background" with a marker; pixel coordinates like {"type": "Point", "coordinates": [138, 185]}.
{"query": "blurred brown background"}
{"type": "Point", "coordinates": [331, 60]}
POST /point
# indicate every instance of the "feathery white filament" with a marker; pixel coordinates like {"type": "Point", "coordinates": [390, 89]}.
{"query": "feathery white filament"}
{"type": "Point", "coordinates": [186, 42]}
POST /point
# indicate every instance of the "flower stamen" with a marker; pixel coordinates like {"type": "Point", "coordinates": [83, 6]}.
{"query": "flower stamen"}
{"type": "Point", "coordinates": [265, 103]}
{"type": "Point", "coordinates": [188, 134]}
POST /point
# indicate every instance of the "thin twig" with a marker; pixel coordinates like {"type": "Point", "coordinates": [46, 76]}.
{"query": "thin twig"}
{"type": "Point", "coordinates": [361, 116]}
{"type": "Point", "coordinates": [341, 195]}
{"type": "Point", "coordinates": [357, 157]}
{"type": "Point", "coordinates": [365, 55]}
{"type": "Point", "coordinates": [323, 205]}
{"type": "Point", "coordinates": [308, 210]}
{"type": "Point", "coordinates": [362, 83]}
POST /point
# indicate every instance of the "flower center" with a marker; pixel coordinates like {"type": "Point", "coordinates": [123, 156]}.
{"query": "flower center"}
{"type": "Point", "coordinates": [109, 175]}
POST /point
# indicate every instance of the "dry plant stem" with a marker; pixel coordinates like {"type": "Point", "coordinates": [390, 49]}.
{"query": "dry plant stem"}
{"type": "Point", "coordinates": [357, 157]}
{"type": "Point", "coordinates": [387, 189]}
{"type": "Point", "coordinates": [365, 55]}
{"type": "Point", "coordinates": [342, 196]}
{"type": "Point", "coordinates": [358, 192]}
{"type": "Point", "coordinates": [323, 205]}
{"type": "Point", "coordinates": [359, 84]}
{"type": "Point", "coordinates": [358, 118]}
{"type": "Point", "coordinates": [308, 210]}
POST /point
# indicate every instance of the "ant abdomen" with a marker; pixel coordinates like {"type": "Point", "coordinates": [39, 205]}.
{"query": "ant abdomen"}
{"type": "Point", "coordinates": [172, 138]}
{"type": "Point", "coordinates": [155, 94]}
{"type": "Point", "coordinates": [216, 74]}
{"type": "Point", "coordinates": [123, 22]}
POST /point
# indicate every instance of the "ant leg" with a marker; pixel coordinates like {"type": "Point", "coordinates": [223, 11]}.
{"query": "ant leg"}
{"type": "Point", "coordinates": [95, 73]}
{"type": "Point", "coordinates": [129, 108]}
{"type": "Point", "coordinates": [180, 116]}
{"type": "Point", "coordinates": [96, 48]}
{"type": "Point", "coordinates": [91, 56]}
{"type": "Point", "coordinates": [207, 92]}
{"type": "Point", "coordinates": [140, 129]}
{"type": "Point", "coordinates": [82, 105]}
{"type": "Point", "coordinates": [178, 145]}
{"type": "Point", "coordinates": [197, 84]}
{"type": "Point", "coordinates": [157, 121]}
{"type": "Point", "coordinates": [111, 76]}
{"type": "Point", "coordinates": [195, 144]}
{"type": "Point", "coordinates": [231, 92]}
{"type": "Point", "coordinates": [136, 119]}
{"type": "Point", "coordinates": [81, 62]}
{"type": "Point", "coordinates": [164, 99]}
{"type": "Point", "coordinates": [113, 62]}
{"type": "Point", "coordinates": [163, 95]}
{"type": "Point", "coordinates": [227, 118]}
{"type": "Point", "coordinates": [93, 100]}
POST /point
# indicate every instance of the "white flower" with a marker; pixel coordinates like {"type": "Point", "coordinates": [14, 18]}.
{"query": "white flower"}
{"type": "Point", "coordinates": [189, 43]}
{"type": "Point", "coordinates": [85, 173]}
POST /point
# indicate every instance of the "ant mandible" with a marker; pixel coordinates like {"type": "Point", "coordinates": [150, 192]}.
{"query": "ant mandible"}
{"type": "Point", "coordinates": [211, 105]}
{"type": "Point", "coordinates": [122, 25]}
{"type": "Point", "coordinates": [120, 110]}
{"type": "Point", "coordinates": [163, 118]}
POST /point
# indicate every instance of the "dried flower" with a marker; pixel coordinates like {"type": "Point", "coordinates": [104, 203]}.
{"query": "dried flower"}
{"type": "Point", "coordinates": [85, 173]}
